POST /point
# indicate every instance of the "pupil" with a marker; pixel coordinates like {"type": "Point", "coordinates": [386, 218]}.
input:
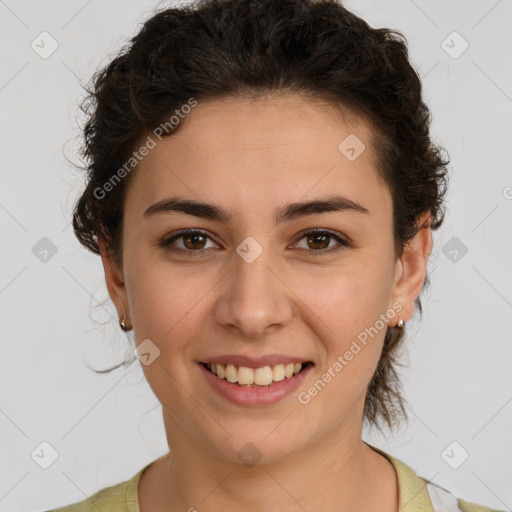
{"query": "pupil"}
{"type": "Point", "coordinates": [192, 237]}
{"type": "Point", "coordinates": [314, 239]}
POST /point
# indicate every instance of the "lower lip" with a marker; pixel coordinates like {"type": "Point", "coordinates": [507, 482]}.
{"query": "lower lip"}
{"type": "Point", "coordinates": [255, 396]}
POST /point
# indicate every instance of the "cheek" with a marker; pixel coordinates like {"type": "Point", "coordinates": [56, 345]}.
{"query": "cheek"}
{"type": "Point", "coordinates": [345, 298]}
{"type": "Point", "coordinates": [344, 310]}
{"type": "Point", "coordinates": [166, 301]}
{"type": "Point", "coordinates": [167, 310]}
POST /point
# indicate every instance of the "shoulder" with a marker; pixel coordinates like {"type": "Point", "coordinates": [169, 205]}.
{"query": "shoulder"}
{"type": "Point", "coordinates": [442, 500]}
{"type": "Point", "coordinates": [417, 494]}
{"type": "Point", "coordinates": [122, 497]}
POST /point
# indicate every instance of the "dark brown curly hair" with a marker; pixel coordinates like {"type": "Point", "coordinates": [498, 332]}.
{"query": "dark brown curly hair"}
{"type": "Point", "coordinates": [248, 48]}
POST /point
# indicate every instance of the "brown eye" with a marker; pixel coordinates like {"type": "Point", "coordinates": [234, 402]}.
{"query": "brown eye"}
{"type": "Point", "coordinates": [193, 241]}
{"type": "Point", "coordinates": [319, 240]}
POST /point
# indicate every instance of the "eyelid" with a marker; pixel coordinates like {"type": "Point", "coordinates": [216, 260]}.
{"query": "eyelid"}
{"type": "Point", "coordinates": [167, 240]}
{"type": "Point", "coordinates": [343, 242]}
{"type": "Point", "coordinates": [335, 234]}
{"type": "Point", "coordinates": [196, 231]}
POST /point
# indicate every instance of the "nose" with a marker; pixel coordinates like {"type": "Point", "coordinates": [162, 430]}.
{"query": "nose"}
{"type": "Point", "coordinates": [255, 299]}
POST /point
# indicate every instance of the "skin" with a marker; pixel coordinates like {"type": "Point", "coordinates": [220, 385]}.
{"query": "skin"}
{"type": "Point", "coordinates": [250, 157]}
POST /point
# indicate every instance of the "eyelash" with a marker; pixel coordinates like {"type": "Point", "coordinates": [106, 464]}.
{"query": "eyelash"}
{"type": "Point", "coordinates": [166, 243]}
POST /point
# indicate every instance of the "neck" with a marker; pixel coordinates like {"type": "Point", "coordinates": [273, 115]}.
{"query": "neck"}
{"type": "Point", "coordinates": [337, 473]}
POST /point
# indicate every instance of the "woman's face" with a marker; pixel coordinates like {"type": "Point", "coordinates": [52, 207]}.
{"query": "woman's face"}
{"type": "Point", "coordinates": [256, 284]}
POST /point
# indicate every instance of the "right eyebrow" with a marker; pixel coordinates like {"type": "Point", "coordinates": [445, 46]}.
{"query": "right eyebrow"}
{"type": "Point", "coordinates": [283, 214]}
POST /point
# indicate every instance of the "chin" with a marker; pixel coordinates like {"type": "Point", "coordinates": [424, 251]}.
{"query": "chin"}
{"type": "Point", "coordinates": [250, 446]}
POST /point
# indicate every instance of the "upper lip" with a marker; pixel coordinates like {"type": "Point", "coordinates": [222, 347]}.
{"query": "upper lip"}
{"type": "Point", "coordinates": [254, 362]}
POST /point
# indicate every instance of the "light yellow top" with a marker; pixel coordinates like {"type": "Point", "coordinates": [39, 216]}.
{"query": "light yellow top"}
{"type": "Point", "coordinates": [415, 494]}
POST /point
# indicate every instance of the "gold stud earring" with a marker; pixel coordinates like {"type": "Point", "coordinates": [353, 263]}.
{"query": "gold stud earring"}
{"type": "Point", "coordinates": [400, 324]}
{"type": "Point", "coordinates": [123, 325]}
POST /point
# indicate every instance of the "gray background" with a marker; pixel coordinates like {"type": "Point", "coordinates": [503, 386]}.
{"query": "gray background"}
{"type": "Point", "coordinates": [57, 318]}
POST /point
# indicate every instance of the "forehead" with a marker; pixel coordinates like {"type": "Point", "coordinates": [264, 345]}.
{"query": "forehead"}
{"type": "Point", "coordinates": [253, 152]}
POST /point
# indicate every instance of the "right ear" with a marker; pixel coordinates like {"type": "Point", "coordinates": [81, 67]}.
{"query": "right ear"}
{"type": "Point", "coordinates": [114, 280]}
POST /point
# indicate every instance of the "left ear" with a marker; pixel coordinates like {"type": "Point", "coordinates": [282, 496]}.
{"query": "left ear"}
{"type": "Point", "coordinates": [411, 268]}
{"type": "Point", "coordinates": [114, 281]}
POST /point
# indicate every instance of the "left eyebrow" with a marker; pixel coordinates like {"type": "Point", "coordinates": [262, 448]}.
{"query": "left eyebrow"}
{"type": "Point", "coordinates": [285, 213]}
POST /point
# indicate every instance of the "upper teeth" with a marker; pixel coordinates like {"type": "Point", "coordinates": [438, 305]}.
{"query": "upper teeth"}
{"type": "Point", "coordinates": [262, 376]}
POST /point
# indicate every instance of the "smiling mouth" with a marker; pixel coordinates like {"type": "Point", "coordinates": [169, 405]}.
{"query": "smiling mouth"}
{"type": "Point", "coordinates": [256, 377]}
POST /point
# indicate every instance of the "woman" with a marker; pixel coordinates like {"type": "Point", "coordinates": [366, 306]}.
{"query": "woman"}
{"type": "Point", "coordinates": [262, 190]}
